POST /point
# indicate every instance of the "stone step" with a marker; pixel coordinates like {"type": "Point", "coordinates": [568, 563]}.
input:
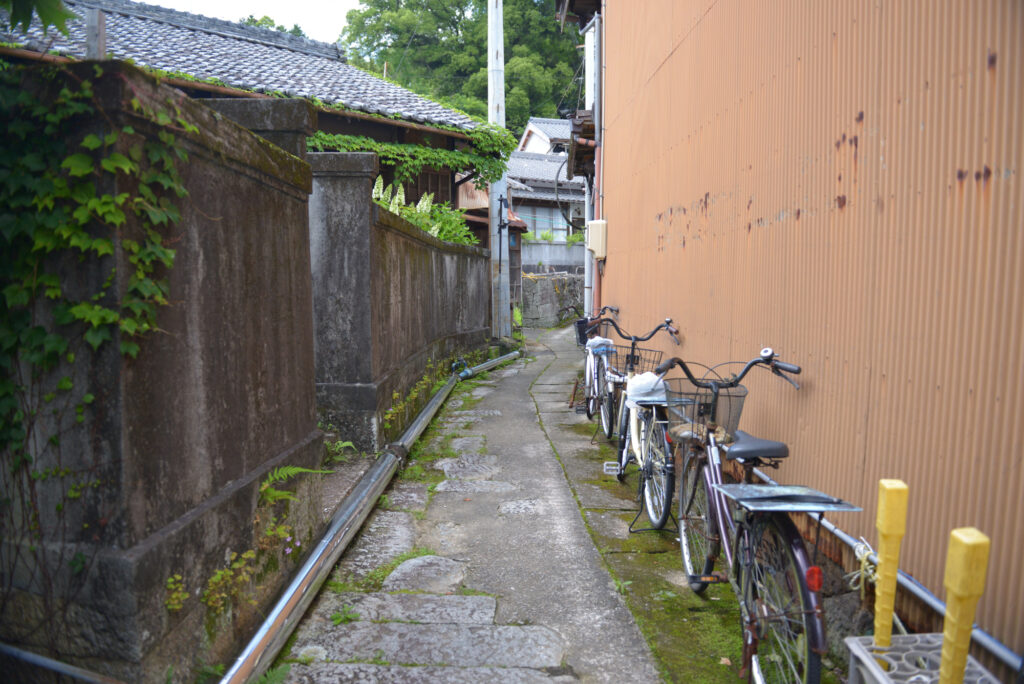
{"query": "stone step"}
{"type": "Point", "coordinates": [422, 608]}
{"type": "Point", "coordinates": [359, 673]}
{"type": "Point", "coordinates": [451, 645]}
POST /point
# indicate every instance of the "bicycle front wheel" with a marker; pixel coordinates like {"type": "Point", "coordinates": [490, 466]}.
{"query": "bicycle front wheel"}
{"type": "Point", "coordinates": [607, 391]}
{"type": "Point", "coordinates": [786, 622]}
{"type": "Point", "coordinates": [594, 371]}
{"type": "Point", "coordinates": [697, 539]}
{"type": "Point", "coordinates": [659, 478]}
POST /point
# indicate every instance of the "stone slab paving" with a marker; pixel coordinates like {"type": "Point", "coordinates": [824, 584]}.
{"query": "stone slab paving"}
{"type": "Point", "coordinates": [408, 496]}
{"type": "Point", "coordinates": [341, 673]}
{"type": "Point", "coordinates": [453, 645]}
{"type": "Point", "coordinates": [385, 536]}
{"type": "Point", "coordinates": [515, 590]}
{"type": "Point", "coordinates": [425, 608]}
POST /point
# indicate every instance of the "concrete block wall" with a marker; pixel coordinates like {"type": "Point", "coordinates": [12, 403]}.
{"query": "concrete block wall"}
{"type": "Point", "coordinates": [541, 256]}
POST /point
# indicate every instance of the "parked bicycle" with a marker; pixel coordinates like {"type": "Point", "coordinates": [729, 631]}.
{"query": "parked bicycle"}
{"type": "Point", "coordinates": [597, 349]}
{"type": "Point", "coordinates": [642, 424]}
{"type": "Point", "coordinates": [775, 582]}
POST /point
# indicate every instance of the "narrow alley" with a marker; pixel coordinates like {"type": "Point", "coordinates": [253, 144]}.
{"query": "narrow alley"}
{"type": "Point", "coordinates": [511, 557]}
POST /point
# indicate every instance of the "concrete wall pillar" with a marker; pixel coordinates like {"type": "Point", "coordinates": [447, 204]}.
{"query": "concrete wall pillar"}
{"type": "Point", "coordinates": [341, 219]}
{"type": "Point", "coordinates": [286, 123]}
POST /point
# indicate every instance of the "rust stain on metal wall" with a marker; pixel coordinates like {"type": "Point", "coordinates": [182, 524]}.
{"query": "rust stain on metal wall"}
{"type": "Point", "coordinates": [841, 181]}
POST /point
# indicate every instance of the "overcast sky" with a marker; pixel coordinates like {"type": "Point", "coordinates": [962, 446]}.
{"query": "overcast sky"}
{"type": "Point", "coordinates": [320, 19]}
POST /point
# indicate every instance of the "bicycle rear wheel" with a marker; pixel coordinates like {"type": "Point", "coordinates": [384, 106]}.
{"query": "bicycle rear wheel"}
{"type": "Point", "coordinates": [697, 537]}
{"type": "Point", "coordinates": [608, 397]}
{"type": "Point", "coordinates": [659, 478]}
{"type": "Point", "coordinates": [624, 456]}
{"type": "Point", "coordinates": [787, 625]}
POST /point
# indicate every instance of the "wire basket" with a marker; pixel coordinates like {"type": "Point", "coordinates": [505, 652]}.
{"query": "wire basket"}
{"type": "Point", "coordinates": [690, 405]}
{"type": "Point", "coordinates": [643, 360]}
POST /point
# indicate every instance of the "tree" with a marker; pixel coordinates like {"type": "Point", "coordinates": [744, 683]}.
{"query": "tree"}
{"type": "Point", "coordinates": [439, 48]}
{"type": "Point", "coordinates": [267, 22]}
{"type": "Point", "coordinates": [51, 13]}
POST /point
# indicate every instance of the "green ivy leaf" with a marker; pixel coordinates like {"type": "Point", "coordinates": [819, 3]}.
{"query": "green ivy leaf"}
{"type": "Point", "coordinates": [129, 348]}
{"type": "Point", "coordinates": [65, 384]}
{"type": "Point", "coordinates": [78, 164]}
{"type": "Point", "coordinates": [118, 162]}
{"type": "Point", "coordinates": [97, 336]}
{"type": "Point", "coordinates": [91, 141]}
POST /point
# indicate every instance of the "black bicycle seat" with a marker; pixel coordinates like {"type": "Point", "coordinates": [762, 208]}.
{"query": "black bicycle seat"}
{"type": "Point", "coordinates": [748, 447]}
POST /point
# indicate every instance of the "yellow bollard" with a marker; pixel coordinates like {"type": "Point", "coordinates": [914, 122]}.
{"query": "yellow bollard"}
{"type": "Point", "coordinates": [966, 566]}
{"type": "Point", "coordinates": [891, 524]}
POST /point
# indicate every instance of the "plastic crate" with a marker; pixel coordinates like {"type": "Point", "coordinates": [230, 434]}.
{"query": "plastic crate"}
{"type": "Point", "coordinates": [912, 658]}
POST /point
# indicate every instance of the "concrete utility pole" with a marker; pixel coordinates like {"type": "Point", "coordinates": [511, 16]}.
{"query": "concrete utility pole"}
{"type": "Point", "coordinates": [501, 316]}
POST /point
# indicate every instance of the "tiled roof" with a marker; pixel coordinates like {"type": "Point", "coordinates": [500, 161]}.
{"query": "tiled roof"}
{"type": "Point", "coordinates": [563, 195]}
{"type": "Point", "coordinates": [530, 166]}
{"type": "Point", "coordinates": [241, 56]}
{"type": "Point", "coordinates": [552, 128]}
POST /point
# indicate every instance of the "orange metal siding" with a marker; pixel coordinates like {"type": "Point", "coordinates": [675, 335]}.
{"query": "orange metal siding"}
{"type": "Point", "coordinates": [841, 181]}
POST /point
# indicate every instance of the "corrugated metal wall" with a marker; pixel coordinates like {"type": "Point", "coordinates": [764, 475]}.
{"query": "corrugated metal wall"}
{"type": "Point", "coordinates": [842, 181]}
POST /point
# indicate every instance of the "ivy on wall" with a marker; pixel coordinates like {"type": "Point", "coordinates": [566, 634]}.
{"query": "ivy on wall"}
{"type": "Point", "coordinates": [60, 219]}
{"type": "Point", "coordinates": [487, 154]}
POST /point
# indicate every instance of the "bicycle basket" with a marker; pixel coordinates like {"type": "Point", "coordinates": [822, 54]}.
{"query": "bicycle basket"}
{"type": "Point", "coordinates": [690, 405]}
{"type": "Point", "coordinates": [581, 325]}
{"type": "Point", "coordinates": [643, 360]}
{"type": "Point", "coordinates": [581, 331]}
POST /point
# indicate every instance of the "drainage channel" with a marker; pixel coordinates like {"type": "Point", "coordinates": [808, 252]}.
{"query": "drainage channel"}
{"type": "Point", "coordinates": [346, 522]}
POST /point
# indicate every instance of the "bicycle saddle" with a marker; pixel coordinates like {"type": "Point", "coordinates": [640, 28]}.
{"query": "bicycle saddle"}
{"type": "Point", "coordinates": [748, 447]}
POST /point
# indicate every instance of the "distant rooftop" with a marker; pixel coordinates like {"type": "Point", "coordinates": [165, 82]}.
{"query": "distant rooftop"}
{"type": "Point", "coordinates": [245, 57]}
{"type": "Point", "coordinates": [530, 166]}
{"type": "Point", "coordinates": [540, 134]}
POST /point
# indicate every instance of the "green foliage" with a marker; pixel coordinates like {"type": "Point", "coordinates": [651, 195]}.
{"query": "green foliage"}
{"type": "Point", "coordinates": [176, 593]}
{"type": "Point", "coordinates": [547, 236]}
{"type": "Point", "coordinates": [84, 205]}
{"type": "Point", "coordinates": [486, 154]}
{"type": "Point", "coordinates": [573, 238]}
{"type": "Point", "coordinates": [209, 673]}
{"type": "Point", "coordinates": [276, 675]}
{"type": "Point", "coordinates": [268, 23]}
{"type": "Point", "coordinates": [227, 584]}
{"type": "Point", "coordinates": [440, 50]}
{"type": "Point", "coordinates": [337, 451]}
{"type": "Point", "coordinates": [517, 317]}
{"type": "Point", "coordinates": [344, 617]}
{"type": "Point", "coordinates": [439, 220]}
{"type": "Point", "coordinates": [51, 13]}
{"type": "Point", "coordinates": [270, 495]}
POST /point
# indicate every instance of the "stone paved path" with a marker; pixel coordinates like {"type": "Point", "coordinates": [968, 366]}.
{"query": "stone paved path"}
{"type": "Point", "coordinates": [512, 588]}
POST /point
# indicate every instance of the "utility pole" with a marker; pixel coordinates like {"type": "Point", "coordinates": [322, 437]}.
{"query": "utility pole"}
{"type": "Point", "coordinates": [501, 315]}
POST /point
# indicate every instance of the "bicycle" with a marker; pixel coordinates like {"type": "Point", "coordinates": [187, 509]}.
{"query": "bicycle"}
{"type": "Point", "coordinates": [596, 349]}
{"type": "Point", "coordinates": [775, 582]}
{"type": "Point", "coordinates": [642, 425]}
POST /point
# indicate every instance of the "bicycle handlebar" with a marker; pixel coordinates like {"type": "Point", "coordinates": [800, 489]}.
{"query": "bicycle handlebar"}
{"type": "Point", "coordinates": [767, 358]}
{"type": "Point", "coordinates": [667, 325]}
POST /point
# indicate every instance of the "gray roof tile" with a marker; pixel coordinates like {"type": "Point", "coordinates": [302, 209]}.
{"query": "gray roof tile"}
{"type": "Point", "coordinates": [241, 56]}
{"type": "Point", "coordinates": [553, 128]}
{"type": "Point", "coordinates": [530, 166]}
